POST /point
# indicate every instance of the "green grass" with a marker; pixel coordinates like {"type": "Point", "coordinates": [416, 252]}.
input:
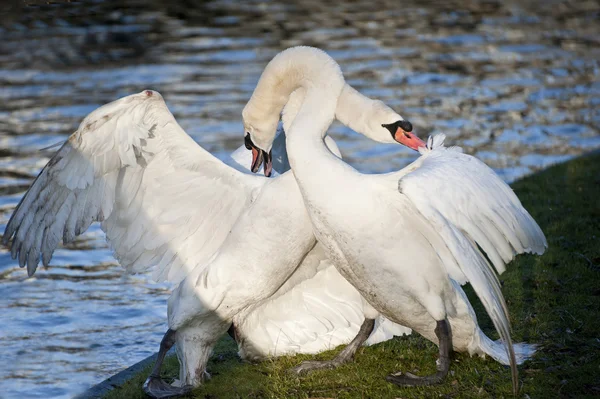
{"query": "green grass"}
{"type": "Point", "coordinates": [554, 301]}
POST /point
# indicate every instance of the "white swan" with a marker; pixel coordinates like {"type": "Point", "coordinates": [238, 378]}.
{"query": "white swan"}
{"type": "Point", "coordinates": [316, 309]}
{"type": "Point", "coordinates": [166, 203]}
{"type": "Point", "coordinates": [405, 239]}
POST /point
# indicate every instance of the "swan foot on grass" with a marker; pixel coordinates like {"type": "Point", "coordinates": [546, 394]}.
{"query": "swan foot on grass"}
{"type": "Point", "coordinates": [443, 364]}
{"type": "Point", "coordinates": [346, 355]}
{"type": "Point", "coordinates": [154, 386]}
{"type": "Point", "coordinates": [411, 380]}
{"type": "Point", "coordinates": [311, 365]}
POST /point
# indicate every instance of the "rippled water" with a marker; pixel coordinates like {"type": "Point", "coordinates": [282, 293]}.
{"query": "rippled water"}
{"type": "Point", "coordinates": [514, 82]}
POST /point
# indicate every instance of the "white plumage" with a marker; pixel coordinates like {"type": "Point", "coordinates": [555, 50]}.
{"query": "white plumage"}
{"type": "Point", "coordinates": [469, 206]}
{"type": "Point", "coordinates": [235, 242]}
{"type": "Point", "coordinates": [132, 167]}
{"type": "Point", "coordinates": [404, 239]}
{"type": "Point", "coordinates": [169, 206]}
{"type": "Point", "coordinates": [327, 312]}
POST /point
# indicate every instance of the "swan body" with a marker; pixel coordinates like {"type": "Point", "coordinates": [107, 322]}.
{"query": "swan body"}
{"type": "Point", "coordinates": [405, 240]}
{"type": "Point", "coordinates": [168, 205]}
{"type": "Point", "coordinates": [327, 312]}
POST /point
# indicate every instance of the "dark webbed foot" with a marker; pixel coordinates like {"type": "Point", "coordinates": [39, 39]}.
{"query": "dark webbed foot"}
{"type": "Point", "coordinates": [443, 364]}
{"type": "Point", "coordinates": [312, 365]}
{"type": "Point", "coordinates": [156, 388]}
{"type": "Point", "coordinates": [411, 380]}
{"type": "Point", "coordinates": [344, 356]}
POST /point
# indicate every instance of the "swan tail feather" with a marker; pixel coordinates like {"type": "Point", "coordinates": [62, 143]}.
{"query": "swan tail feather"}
{"type": "Point", "coordinates": [497, 351]}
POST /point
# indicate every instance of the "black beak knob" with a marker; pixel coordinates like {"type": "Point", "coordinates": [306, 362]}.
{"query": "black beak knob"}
{"type": "Point", "coordinates": [405, 125]}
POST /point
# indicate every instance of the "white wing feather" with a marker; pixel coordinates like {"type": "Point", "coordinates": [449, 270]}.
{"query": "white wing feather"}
{"type": "Point", "coordinates": [472, 208]}
{"type": "Point", "coordinates": [163, 201]}
{"type": "Point", "coordinates": [470, 196]}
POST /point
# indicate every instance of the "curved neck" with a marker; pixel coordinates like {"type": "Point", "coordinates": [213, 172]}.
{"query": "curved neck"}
{"type": "Point", "coordinates": [295, 68]}
{"type": "Point", "coordinates": [305, 70]}
{"type": "Point", "coordinates": [352, 109]}
{"type": "Point", "coordinates": [355, 110]}
{"type": "Point", "coordinates": [317, 83]}
{"type": "Point", "coordinates": [365, 115]}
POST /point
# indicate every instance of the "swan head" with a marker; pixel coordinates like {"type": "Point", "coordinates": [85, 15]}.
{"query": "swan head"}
{"type": "Point", "coordinates": [401, 131]}
{"type": "Point", "coordinates": [259, 156]}
{"type": "Point", "coordinates": [260, 129]}
{"type": "Point", "coordinates": [387, 126]}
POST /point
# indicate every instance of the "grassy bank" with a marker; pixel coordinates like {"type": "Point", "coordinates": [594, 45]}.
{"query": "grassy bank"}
{"type": "Point", "coordinates": [554, 301]}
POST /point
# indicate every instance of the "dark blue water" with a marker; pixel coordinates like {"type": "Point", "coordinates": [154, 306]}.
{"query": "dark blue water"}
{"type": "Point", "coordinates": [515, 84]}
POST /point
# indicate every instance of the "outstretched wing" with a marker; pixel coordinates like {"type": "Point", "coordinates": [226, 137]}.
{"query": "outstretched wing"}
{"type": "Point", "coordinates": [463, 191]}
{"type": "Point", "coordinates": [163, 201]}
{"type": "Point", "coordinates": [472, 210]}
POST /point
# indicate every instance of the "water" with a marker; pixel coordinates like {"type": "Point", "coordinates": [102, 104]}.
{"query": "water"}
{"type": "Point", "coordinates": [516, 84]}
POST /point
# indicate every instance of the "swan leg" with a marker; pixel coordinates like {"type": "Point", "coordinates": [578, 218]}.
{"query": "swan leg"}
{"type": "Point", "coordinates": [346, 355]}
{"type": "Point", "coordinates": [443, 364]}
{"type": "Point", "coordinates": [154, 386]}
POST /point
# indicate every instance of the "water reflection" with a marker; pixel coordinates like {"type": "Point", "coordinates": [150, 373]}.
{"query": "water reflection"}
{"type": "Point", "coordinates": [516, 84]}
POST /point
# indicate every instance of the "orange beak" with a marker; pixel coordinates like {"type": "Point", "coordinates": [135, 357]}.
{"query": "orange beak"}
{"type": "Point", "coordinates": [408, 139]}
{"type": "Point", "coordinates": [400, 131]}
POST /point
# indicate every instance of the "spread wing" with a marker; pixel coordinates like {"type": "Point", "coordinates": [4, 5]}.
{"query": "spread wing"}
{"type": "Point", "coordinates": [446, 184]}
{"type": "Point", "coordinates": [164, 202]}
{"type": "Point", "coordinates": [472, 210]}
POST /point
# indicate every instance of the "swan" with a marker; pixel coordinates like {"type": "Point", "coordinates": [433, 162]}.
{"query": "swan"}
{"type": "Point", "coordinates": [405, 240]}
{"type": "Point", "coordinates": [327, 310]}
{"type": "Point", "coordinates": [166, 203]}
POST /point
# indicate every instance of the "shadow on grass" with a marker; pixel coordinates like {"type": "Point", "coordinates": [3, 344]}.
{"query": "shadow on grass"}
{"type": "Point", "coordinates": [554, 301]}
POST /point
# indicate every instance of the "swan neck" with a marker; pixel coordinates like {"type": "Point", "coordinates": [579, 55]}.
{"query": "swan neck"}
{"type": "Point", "coordinates": [310, 159]}
{"type": "Point", "coordinates": [298, 67]}
{"type": "Point", "coordinates": [365, 115]}
{"type": "Point", "coordinates": [303, 70]}
{"type": "Point", "coordinates": [349, 104]}
{"type": "Point", "coordinates": [351, 109]}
